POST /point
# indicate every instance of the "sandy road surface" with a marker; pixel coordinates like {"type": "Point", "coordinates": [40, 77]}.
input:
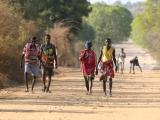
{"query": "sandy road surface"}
{"type": "Point", "coordinates": [135, 97]}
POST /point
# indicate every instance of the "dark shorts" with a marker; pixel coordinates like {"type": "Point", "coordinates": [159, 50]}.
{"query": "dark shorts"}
{"type": "Point", "coordinates": [135, 63]}
{"type": "Point", "coordinates": [47, 71]}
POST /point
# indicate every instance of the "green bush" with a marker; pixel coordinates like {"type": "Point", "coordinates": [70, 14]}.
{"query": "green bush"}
{"type": "Point", "coordinates": [146, 28]}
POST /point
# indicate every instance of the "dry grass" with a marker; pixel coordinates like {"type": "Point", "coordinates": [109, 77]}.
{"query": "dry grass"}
{"type": "Point", "coordinates": [14, 32]}
{"type": "Point", "coordinates": [68, 51]}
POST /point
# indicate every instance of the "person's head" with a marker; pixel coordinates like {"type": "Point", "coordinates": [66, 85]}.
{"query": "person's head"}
{"type": "Point", "coordinates": [47, 38]}
{"type": "Point", "coordinates": [108, 42]}
{"type": "Point", "coordinates": [88, 44]}
{"type": "Point", "coordinates": [122, 49]}
{"type": "Point", "coordinates": [136, 57]}
{"type": "Point", "coordinates": [33, 39]}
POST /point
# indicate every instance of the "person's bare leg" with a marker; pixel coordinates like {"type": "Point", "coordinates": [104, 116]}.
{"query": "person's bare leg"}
{"type": "Point", "coordinates": [91, 84]}
{"type": "Point", "coordinates": [140, 68]}
{"type": "Point", "coordinates": [122, 67]}
{"type": "Point", "coordinates": [110, 86]}
{"type": "Point", "coordinates": [104, 85]}
{"type": "Point", "coordinates": [133, 69]}
{"type": "Point", "coordinates": [33, 82]}
{"type": "Point", "coordinates": [130, 68]}
{"type": "Point", "coordinates": [49, 83]}
{"type": "Point", "coordinates": [26, 81]}
{"type": "Point", "coordinates": [118, 67]}
{"type": "Point", "coordinates": [86, 83]}
{"type": "Point", "coordinates": [44, 82]}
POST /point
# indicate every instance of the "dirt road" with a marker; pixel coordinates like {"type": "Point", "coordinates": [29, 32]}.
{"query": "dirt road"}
{"type": "Point", "coordinates": [135, 97]}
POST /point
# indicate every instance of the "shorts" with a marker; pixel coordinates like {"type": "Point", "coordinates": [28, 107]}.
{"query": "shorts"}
{"type": "Point", "coordinates": [121, 60]}
{"type": "Point", "coordinates": [47, 71]}
{"type": "Point", "coordinates": [33, 68]}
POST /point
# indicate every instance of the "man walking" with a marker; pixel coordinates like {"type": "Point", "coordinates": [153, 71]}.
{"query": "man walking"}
{"type": "Point", "coordinates": [48, 61]}
{"type": "Point", "coordinates": [88, 65]}
{"type": "Point", "coordinates": [30, 55]}
{"type": "Point", "coordinates": [107, 57]}
{"type": "Point", "coordinates": [121, 60]}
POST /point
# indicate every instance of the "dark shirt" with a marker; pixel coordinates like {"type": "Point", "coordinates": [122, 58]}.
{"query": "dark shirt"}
{"type": "Point", "coordinates": [48, 54]}
{"type": "Point", "coordinates": [48, 49]}
{"type": "Point", "coordinates": [135, 61]}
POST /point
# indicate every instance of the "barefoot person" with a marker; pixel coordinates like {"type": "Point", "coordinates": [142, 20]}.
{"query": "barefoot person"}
{"type": "Point", "coordinates": [88, 65]}
{"type": "Point", "coordinates": [121, 60]}
{"type": "Point", "coordinates": [30, 55]}
{"type": "Point", "coordinates": [48, 61]}
{"type": "Point", "coordinates": [134, 62]}
{"type": "Point", "coordinates": [107, 57]}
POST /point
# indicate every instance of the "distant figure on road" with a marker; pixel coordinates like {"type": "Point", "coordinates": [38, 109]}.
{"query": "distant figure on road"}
{"type": "Point", "coordinates": [134, 62]}
{"type": "Point", "coordinates": [48, 62]}
{"type": "Point", "coordinates": [31, 56]}
{"type": "Point", "coordinates": [107, 57]}
{"type": "Point", "coordinates": [88, 65]}
{"type": "Point", "coordinates": [121, 60]}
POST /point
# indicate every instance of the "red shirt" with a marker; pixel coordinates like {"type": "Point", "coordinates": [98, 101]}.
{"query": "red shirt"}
{"type": "Point", "coordinates": [88, 61]}
{"type": "Point", "coordinates": [31, 54]}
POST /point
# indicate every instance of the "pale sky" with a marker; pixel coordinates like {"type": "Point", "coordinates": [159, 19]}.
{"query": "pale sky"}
{"type": "Point", "coordinates": [112, 1]}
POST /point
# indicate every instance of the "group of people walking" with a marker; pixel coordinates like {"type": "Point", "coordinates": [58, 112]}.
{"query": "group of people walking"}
{"type": "Point", "coordinates": [35, 56]}
{"type": "Point", "coordinates": [107, 65]}
{"type": "Point", "coordinates": [90, 67]}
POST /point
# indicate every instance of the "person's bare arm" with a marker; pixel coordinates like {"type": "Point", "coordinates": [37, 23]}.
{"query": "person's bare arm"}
{"type": "Point", "coordinates": [40, 57]}
{"type": "Point", "coordinates": [114, 59]}
{"type": "Point", "coordinates": [83, 55]}
{"type": "Point", "coordinates": [95, 60]}
{"type": "Point", "coordinates": [22, 57]}
{"type": "Point", "coordinates": [55, 57]}
{"type": "Point", "coordinates": [21, 61]}
{"type": "Point", "coordinates": [99, 59]}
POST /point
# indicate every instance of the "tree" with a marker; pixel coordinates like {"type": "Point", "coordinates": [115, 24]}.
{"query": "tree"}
{"type": "Point", "coordinates": [146, 27]}
{"type": "Point", "coordinates": [87, 32]}
{"type": "Point", "coordinates": [134, 8]}
{"type": "Point", "coordinates": [110, 21]}
{"type": "Point", "coordinates": [50, 11]}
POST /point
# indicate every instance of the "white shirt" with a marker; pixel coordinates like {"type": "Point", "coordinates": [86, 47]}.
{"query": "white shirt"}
{"type": "Point", "coordinates": [121, 57]}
